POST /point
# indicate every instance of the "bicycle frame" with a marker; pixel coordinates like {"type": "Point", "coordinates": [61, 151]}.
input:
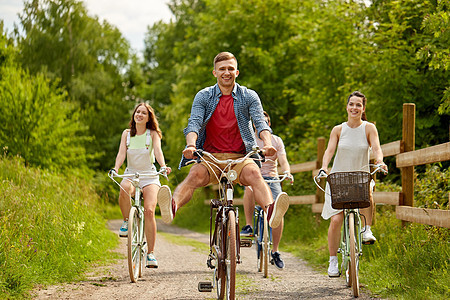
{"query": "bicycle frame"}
{"type": "Point", "coordinates": [137, 246]}
{"type": "Point", "coordinates": [351, 239]}
{"type": "Point", "coordinates": [224, 242]}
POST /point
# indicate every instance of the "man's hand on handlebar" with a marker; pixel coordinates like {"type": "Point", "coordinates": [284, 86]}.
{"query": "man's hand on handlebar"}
{"type": "Point", "coordinates": [269, 150]}
{"type": "Point", "coordinates": [188, 152]}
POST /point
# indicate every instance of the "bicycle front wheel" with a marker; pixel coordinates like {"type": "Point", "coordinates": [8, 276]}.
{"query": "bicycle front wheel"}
{"type": "Point", "coordinates": [258, 241]}
{"type": "Point", "coordinates": [354, 256]}
{"type": "Point", "coordinates": [230, 260]}
{"type": "Point", "coordinates": [266, 246]}
{"type": "Point", "coordinates": [134, 244]}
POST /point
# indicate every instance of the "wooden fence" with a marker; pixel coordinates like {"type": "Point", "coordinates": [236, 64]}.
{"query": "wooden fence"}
{"type": "Point", "coordinates": [406, 158]}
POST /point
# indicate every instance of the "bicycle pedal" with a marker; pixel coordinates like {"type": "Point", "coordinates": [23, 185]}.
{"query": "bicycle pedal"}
{"type": "Point", "coordinates": [246, 243]}
{"type": "Point", "coordinates": [205, 286]}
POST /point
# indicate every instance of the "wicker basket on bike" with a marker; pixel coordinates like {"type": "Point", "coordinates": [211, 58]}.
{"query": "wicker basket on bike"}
{"type": "Point", "coordinates": [349, 189]}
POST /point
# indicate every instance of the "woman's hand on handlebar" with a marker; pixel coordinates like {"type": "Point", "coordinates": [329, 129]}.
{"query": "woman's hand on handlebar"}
{"type": "Point", "coordinates": [167, 170]}
{"type": "Point", "coordinates": [382, 166]}
{"type": "Point", "coordinates": [323, 173]}
{"type": "Point", "coordinates": [112, 172]}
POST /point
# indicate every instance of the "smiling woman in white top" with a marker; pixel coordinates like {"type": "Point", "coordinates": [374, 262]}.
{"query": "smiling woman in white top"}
{"type": "Point", "coordinates": [140, 145]}
{"type": "Point", "coordinates": [353, 140]}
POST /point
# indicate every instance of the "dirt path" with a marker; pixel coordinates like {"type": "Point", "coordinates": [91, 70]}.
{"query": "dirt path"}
{"type": "Point", "coordinates": [181, 267]}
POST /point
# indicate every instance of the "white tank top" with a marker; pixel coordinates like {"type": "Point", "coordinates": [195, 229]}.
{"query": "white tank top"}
{"type": "Point", "coordinates": [352, 155]}
{"type": "Point", "coordinates": [353, 150]}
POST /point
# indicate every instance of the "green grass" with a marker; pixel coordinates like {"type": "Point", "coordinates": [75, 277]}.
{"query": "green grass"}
{"type": "Point", "coordinates": [50, 228]}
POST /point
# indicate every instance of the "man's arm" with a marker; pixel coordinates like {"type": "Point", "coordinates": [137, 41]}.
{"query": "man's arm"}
{"type": "Point", "coordinates": [266, 137]}
{"type": "Point", "coordinates": [191, 139]}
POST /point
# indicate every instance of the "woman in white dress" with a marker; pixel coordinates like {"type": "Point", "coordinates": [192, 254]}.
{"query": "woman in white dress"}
{"type": "Point", "coordinates": [353, 140]}
{"type": "Point", "coordinates": [140, 145]}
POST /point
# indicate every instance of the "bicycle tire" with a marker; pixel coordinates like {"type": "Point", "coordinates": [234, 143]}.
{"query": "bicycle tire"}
{"type": "Point", "coordinates": [219, 271]}
{"type": "Point", "coordinates": [231, 255]}
{"type": "Point", "coordinates": [345, 252]}
{"type": "Point", "coordinates": [265, 246]}
{"type": "Point", "coordinates": [259, 257]}
{"type": "Point", "coordinates": [144, 251]}
{"type": "Point", "coordinates": [258, 243]}
{"type": "Point", "coordinates": [353, 256]}
{"type": "Point", "coordinates": [134, 249]}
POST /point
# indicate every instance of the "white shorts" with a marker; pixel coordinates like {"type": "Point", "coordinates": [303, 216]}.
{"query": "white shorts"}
{"type": "Point", "coordinates": [143, 182]}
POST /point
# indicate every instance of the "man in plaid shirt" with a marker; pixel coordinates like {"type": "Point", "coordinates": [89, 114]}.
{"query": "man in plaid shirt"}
{"type": "Point", "coordinates": [221, 123]}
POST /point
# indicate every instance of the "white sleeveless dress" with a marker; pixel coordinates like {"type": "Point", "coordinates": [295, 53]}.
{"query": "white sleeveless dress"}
{"type": "Point", "coordinates": [352, 155]}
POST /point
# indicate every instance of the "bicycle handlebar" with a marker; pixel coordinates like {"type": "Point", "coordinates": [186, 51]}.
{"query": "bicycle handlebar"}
{"type": "Point", "coordinates": [281, 178]}
{"type": "Point", "coordinates": [162, 172]}
{"type": "Point", "coordinates": [323, 174]}
{"type": "Point", "coordinates": [200, 153]}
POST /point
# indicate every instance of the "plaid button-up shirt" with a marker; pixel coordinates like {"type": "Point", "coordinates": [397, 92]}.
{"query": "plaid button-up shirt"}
{"type": "Point", "coordinates": [247, 107]}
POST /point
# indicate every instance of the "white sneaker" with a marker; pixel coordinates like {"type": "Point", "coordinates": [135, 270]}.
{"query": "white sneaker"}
{"type": "Point", "coordinates": [166, 204]}
{"type": "Point", "coordinates": [367, 237]}
{"type": "Point", "coordinates": [277, 209]}
{"type": "Point", "coordinates": [333, 268]}
{"type": "Point", "coordinates": [151, 261]}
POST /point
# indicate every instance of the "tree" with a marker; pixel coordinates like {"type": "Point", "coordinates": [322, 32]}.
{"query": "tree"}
{"type": "Point", "coordinates": [36, 121]}
{"type": "Point", "coordinates": [89, 60]}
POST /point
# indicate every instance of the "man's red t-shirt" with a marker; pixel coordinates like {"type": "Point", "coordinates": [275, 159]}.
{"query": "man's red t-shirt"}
{"type": "Point", "coordinates": [222, 130]}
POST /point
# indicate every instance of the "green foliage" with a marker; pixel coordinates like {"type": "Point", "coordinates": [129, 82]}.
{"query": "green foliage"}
{"type": "Point", "coordinates": [36, 121]}
{"type": "Point", "coordinates": [304, 58]}
{"type": "Point", "coordinates": [432, 188]}
{"type": "Point", "coordinates": [50, 231]}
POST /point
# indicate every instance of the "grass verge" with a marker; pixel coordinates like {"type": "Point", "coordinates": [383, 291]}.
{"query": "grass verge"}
{"type": "Point", "coordinates": [50, 228]}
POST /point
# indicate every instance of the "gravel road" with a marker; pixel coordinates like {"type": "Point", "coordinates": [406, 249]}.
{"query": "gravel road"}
{"type": "Point", "coordinates": [182, 266]}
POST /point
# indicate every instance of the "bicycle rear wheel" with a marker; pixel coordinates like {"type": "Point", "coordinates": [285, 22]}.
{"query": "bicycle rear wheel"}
{"type": "Point", "coordinates": [265, 246]}
{"type": "Point", "coordinates": [134, 244]}
{"type": "Point", "coordinates": [354, 256]}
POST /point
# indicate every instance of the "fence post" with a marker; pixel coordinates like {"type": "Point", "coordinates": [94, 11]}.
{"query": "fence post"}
{"type": "Point", "coordinates": [408, 137]}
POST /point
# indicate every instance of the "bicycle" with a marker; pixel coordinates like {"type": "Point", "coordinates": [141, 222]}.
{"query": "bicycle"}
{"type": "Point", "coordinates": [350, 192]}
{"type": "Point", "coordinates": [262, 237]}
{"type": "Point", "coordinates": [136, 244]}
{"type": "Point", "coordinates": [224, 243]}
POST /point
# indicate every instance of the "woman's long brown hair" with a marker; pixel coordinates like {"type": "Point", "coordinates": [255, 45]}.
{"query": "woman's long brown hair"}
{"type": "Point", "coordinates": [152, 123]}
